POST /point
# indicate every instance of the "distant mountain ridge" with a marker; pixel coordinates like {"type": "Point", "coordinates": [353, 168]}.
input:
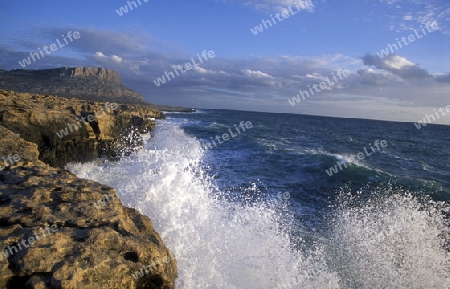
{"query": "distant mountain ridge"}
{"type": "Point", "coordinates": [89, 83]}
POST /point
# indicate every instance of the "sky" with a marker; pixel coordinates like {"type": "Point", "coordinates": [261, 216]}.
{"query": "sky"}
{"type": "Point", "coordinates": [318, 57]}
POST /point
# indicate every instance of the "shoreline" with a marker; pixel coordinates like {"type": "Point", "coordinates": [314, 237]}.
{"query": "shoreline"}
{"type": "Point", "coordinates": [35, 190]}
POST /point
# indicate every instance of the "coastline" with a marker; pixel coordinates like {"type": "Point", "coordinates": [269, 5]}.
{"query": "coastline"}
{"type": "Point", "coordinates": [35, 191]}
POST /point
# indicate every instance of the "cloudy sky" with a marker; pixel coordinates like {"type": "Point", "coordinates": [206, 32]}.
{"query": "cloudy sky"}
{"type": "Point", "coordinates": [306, 43]}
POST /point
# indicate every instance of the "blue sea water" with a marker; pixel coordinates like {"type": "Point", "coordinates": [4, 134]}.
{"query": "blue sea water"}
{"type": "Point", "coordinates": [259, 210]}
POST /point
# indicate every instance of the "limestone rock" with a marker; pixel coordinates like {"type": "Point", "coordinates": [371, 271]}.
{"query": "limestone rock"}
{"type": "Point", "coordinates": [86, 241]}
{"type": "Point", "coordinates": [57, 126]}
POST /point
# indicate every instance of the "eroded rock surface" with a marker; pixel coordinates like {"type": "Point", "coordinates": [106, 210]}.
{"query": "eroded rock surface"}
{"type": "Point", "coordinates": [82, 244]}
{"type": "Point", "coordinates": [63, 131]}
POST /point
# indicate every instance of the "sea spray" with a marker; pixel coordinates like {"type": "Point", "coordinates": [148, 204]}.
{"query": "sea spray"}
{"type": "Point", "coordinates": [389, 238]}
{"type": "Point", "coordinates": [212, 248]}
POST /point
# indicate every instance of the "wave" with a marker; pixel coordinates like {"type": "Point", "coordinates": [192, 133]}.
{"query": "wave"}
{"type": "Point", "coordinates": [223, 243]}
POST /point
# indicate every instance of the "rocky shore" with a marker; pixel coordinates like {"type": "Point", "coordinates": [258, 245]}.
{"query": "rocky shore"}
{"type": "Point", "coordinates": [60, 231]}
{"type": "Point", "coordinates": [75, 130]}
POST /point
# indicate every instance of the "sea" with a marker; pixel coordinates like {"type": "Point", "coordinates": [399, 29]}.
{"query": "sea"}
{"type": "Point", "coordinates": [262, 208]}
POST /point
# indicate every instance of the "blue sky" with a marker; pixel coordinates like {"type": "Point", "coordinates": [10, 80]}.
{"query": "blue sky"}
{"type": "Point", "coordinates": [259, 72]}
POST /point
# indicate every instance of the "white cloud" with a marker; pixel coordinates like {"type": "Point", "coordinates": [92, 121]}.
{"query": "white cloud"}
{"type": "Point", "coordinates": [398, 62]}
{"type": "Point", "coordinates": [101, 56]}
{"type": "Point", "coordinates": [255, 73]}
{"type": "Point", "coordinates": [397, 65]}
{"type": "Point", "coordinates": [116, 58]}
{"type": "Point", "coordinates": [201, 70]}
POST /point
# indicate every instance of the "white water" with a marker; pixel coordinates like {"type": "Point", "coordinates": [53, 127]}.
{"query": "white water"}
{"type": "Point", "coordinates": [391, 241]}
{"type": "Point", "coordinates": [219, 244]}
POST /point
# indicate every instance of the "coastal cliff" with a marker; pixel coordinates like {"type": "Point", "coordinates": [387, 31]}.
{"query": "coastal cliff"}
{"type": "Point", "coordinates": [60, 231]}
{"type": "Point", "coordinates": [54, 232]}
{"type": "Point", "coordinates": [62, 130]}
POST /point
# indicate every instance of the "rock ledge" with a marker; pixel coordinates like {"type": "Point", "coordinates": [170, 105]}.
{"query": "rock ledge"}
{"type": "Point", "coordinates": [60, 231]}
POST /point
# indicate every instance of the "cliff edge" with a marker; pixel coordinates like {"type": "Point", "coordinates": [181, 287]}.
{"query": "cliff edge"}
{"type": "Point", "coordinates": [74, 130]}
{"type": "Point", "coordinates": [60, 231]}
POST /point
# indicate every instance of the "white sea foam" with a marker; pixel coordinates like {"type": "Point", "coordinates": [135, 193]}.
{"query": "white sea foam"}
{"type": "Point", "coordinates": [390, 240]}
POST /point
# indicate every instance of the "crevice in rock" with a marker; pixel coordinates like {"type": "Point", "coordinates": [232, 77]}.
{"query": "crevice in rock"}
{"type": "Point", "coordinates": [81, 235]}
{"type": "Point", "coordinates": [12, 265]}
{"type": "Point", "coordinates": [4, 199]}
{"type": "Point", "coordinates": [26, 210]}
{"type": "Point", "coordinates": [5, 222]}
{"type": "Point", "coordinates": [16, 282]}
{"type": "Point", "coordinates": [38, 279]}
{"type": "Point", "coordinates": [131, 256]}
{"type": "Point", "coordinates": [150, 282]}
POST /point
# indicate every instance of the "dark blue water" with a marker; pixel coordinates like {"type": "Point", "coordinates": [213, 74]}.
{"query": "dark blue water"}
{"type": "Point", "coordinates": [293, 152]}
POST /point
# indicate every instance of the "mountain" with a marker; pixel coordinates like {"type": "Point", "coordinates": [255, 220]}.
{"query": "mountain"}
{"type": "Point", "coordinates": [89, 83]}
